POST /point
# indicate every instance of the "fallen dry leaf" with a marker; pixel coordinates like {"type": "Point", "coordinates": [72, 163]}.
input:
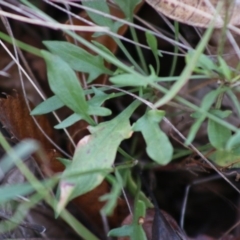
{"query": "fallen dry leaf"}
{"type": "Point", "coordinates": [198, 13]}
{"type": "Point", "coordinates": [16, 119]}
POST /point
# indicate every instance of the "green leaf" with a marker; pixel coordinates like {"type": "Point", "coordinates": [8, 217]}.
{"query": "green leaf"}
{"type": "Point", "coordinates": [99, 111]}
{"type": "Point", "coordinates": [132, 187]}
{"type": "Point", "coordinates": [53, 103]}
{"type": "Point", "coordinates": [95, 152]}
{"type": "Point", "coordinates": [100, 19]}
{"type": "Point", "coordinates": [218, 135]}
{"type": "Point", "coordinates": [152, 43]}
{"type": "Point", "coordinates": [216, 112]}
{"type": "Point", "coordinates": [224, 69]}
{"type": "Point", "coordinates": [10, 192]}
{"type": "Point", "coordinates": [233, 142]}
{"type": "Point", "coordinates": [23, 150]}
{"type": "Point", "coordinates": [220, 113]}
{"type": "Point", "coordinates": [123, 231]}
{"type": "Point", "coordinates": [227, 158]}
{"type": "Point", "coordinates": [128, 79]}
{"type": "Point", "coordinates": [233, 97]}
{"type": "Point", "coordinates": [112, 197]}
{"type": "Point", "coordinates": [69, 121]}
{"type": "Point", "coordinates": [78, 58]}
{"type": "Point", "coordinates": [186, 73]}
{"type": "Point", "coordinates": [134, 230]}
{"type": "Point", "coordinates": [66, 162]}
{"type": "Point", "coordinates": [206, 104]}
{"type": "Point", "coordinates": [204, 63]}
{"type": "Point", "coordinates": [49, 105]}
{"type": "Point", "coordinates": [93, 110]}
{"type": "Point", "coordinates": [64, 83]}
{"type": "Point", "coordinates": [159, 147]}
{"type": "Point", "coordinates": [100, 97]}
{"type": "Point", "coordinates": [159, 53]}
{"type": "Point", "coordinates": [103, 48]}
{"type": "Point", "coordinates": [127, 6]}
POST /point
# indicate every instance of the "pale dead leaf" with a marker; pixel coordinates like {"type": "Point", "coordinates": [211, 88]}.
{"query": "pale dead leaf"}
{"type": "Point", "coordinates": [198, 12]}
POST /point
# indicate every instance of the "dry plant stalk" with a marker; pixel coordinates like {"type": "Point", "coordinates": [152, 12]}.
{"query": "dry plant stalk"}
{"type": "Point", "coordinates": [199, 13]}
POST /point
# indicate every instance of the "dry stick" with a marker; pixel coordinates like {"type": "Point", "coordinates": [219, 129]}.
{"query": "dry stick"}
{"type": "Point", "coordinates": [230, 229]}
{"type": "Point", "coordinates": [54, 26]}
{"type": "Point", "coordinates": [187, 189]}
{"type": "Point", "coordinates": [95, 28]}
{"type": "Point", "coordinates": [6, 68]}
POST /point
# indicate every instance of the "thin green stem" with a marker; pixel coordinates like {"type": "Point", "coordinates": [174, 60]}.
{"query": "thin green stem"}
{"type": "Point", "coordinates": [197, 109]}
{"type": "Point", "coordinates": [127, 54]}
{"type": "Point", "coordinates": [22, 45]}
{"type": "Point", "coordinates": [175, 57]}
{"type": "Point", "coordinates": [139, 50]}
{"type": "Point", "coordinates": [132, 188]}
{"type": "Point", "coordinates": [219, 100]}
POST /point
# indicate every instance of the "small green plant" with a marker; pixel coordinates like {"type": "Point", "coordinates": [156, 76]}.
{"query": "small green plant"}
{"type": "Point", "coordinates": [94, 157]}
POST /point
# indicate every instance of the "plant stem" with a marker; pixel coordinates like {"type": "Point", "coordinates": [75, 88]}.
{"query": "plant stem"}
{"type": "Point", "coordinates": [127, 54]}
{"type": "Point", "coordinates": [139, 50]}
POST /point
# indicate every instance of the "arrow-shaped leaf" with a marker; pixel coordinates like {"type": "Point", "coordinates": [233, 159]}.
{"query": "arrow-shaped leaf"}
{"type": "Point", "coordinates": [78, 58]}
{"type": "Point", "coordinates": [159, 147]}
{"type": "Point", "coordinates": [95, 152]}
{"type": "Point", "coordinates": [218, 135]}
{"type": "Point", "coordinates": [64, 83]}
